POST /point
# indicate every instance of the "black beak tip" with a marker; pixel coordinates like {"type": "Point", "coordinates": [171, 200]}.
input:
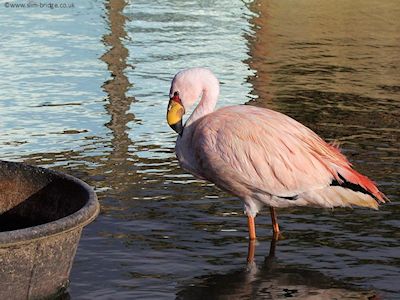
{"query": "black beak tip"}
{"type": "Point", "coordinates": [178, 127]}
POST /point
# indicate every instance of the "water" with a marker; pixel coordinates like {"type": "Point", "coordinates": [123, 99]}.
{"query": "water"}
{"type": "Point", "coordinates": [84, 90]}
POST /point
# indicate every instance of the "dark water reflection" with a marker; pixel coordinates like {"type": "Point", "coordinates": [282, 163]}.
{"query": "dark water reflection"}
{"type": "Point", "coordinates": [90, 100]}
{"type": "Point", "coordinates": [271, 280]}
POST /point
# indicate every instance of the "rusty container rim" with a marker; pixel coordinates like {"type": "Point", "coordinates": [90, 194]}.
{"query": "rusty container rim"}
{"type": "Point", "coordinates": [85, 215]}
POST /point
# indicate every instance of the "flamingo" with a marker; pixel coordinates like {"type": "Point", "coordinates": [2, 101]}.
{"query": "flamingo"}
{"type": "Point", "coordinates": [262, 156]}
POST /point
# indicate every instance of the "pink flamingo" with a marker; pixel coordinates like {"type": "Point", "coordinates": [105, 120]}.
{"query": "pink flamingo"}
{"type": "Point", "coordinates": [260, 155]}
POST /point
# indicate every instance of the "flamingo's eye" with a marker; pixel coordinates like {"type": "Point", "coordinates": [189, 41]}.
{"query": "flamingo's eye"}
{"type": "Point", "coordinates": [176, 98]}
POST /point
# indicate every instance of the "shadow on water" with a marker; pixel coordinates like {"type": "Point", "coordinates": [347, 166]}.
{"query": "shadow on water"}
{"type": "Point", "coordinates": [272, 279]}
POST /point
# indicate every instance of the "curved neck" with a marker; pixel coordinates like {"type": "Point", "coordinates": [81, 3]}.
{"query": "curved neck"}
{"type": "Point", "coordinates": [206, 105]}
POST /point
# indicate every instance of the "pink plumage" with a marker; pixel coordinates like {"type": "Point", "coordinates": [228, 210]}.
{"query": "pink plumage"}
{"type": "Point", "coordinates": [262, 156]}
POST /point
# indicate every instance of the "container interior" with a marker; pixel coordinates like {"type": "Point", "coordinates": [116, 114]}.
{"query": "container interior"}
{"type": "Point", "coordinates": [32, 196]}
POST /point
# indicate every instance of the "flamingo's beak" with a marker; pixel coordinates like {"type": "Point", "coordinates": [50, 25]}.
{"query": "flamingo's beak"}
{"type": "Point", "coordinates": [174, 116]}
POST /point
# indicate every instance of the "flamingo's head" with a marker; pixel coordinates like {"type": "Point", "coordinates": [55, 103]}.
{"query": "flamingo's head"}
{"type": "Point", "coordinates": [186, 88]}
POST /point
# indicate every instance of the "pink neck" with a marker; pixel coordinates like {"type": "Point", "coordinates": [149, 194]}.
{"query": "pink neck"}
{"type": "Point", "coordinates": [206, 105]}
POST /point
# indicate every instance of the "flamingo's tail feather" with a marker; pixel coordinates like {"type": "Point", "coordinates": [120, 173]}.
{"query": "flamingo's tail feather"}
{"type": "Point", "coordinates": [334, 196]}
{"type": "Point", "coordinates": [351, 179]}
{"type": "Point", "coordinates": [350, 188]}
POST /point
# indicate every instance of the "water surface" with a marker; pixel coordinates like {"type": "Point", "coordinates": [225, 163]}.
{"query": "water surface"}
{"type": "Point", "coordinates": [85, 90]}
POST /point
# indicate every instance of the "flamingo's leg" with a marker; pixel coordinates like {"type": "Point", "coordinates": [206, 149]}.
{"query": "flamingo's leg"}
{"type": "Point", "coordinates": [275, 225]}
{"type": "Point", "coordinates": [251, 251]}
{"type": "Point", "coordinates": [252, 227]}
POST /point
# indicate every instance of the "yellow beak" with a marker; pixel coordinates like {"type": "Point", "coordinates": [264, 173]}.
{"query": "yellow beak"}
{"type": "Point", "coordinates": [174, 116]}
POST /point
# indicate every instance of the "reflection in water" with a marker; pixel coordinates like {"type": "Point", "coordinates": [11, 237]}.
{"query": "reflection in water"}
{"type": "Point", "coordinates": [271, 280]}
{"type": "Point", "coordinates": [324, 75]}
{"type": "Point", "coordinates": [259, 45]}
{"type": "Point", "coordinates": [119, 165]}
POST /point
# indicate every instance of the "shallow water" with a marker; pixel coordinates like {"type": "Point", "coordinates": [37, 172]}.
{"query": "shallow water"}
{"type": "Point", "coordinates": [84, 90]}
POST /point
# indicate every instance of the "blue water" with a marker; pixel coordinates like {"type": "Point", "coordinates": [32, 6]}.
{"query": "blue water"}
{"type": "Point", "coordinates": [84, 90]}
